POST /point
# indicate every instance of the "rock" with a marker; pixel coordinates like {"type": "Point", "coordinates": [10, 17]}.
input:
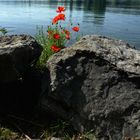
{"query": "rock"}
{"type": "Point", "coordinates": [21, 97]}
{"type": "Point", "coordinates": [17, 53]}
{"type": "Point", "coordinates": [131, 127]}
{"type": "Point", "coordinates": [95, 84]}
{"type": "Point", "coordinates": [19, 80]}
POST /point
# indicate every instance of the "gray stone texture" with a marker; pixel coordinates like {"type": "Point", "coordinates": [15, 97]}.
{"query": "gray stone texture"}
{"type": "Point", "coordinates": [95, 84]}
{"type": "Point", "coordinates": [17, 53]}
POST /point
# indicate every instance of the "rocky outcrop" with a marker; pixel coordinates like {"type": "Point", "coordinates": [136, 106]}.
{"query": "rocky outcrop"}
{"type": "Point", "coordinates": [95, 85]}
{"type": "Point", "coordinates": [17, 53]}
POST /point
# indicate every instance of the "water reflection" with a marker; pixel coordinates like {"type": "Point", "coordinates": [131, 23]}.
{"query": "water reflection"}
{"type": "Point", "coordinates": [99, 7]}
{"type": "Point", "coordinates": [87, 4]}
{"type": "Point", "coordinates": [124, 2]}
{"type": "Point", "coordinates": [116, 18]}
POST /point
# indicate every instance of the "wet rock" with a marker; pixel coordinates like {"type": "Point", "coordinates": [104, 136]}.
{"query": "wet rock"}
{"type": "Point", "coordinates": [95, 84]}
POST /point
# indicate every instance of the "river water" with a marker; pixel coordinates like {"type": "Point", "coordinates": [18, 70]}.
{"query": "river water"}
{"type": "Point", "coordinates": [113, 18]}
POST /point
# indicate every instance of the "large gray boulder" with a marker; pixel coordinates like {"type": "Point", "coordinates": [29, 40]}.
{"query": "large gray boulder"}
{"type": "Point", "coordinates": [95, 84]}
{"type": "Point", "coordinates": [17, 53]}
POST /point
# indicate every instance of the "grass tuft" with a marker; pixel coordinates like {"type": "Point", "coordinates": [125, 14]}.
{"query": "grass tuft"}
{"type": "Point", "coordinates": [7, 134]}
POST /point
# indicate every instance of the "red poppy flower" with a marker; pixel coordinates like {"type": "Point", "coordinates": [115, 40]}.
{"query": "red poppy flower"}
{"type": "Point", "coordinates": [67, 37]}
{"type": "Point", "coordinates": [56, 36]}
{"type": "Point", "coordinates": [66, 32]}
{"type": "Point", "coordinates": [60, 9]}
{"type": "Point", "coordinates": [58, 17]}
{"type": "Point", "coordinates": [76, 29]}
{"type": "Point", "coordinates": [55, 48]}
{"type": "Point", "coordinates": [55, 19]}
{"type": "Point", "coordinates": [61, 16]}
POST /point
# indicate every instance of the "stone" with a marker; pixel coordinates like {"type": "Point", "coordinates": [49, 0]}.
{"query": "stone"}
{"type": "Point", "coordinates": [17, 53]}
{"type": "Point", "coordinates": [19, 80]}
{"type": "Point", "coordinates": [95, 84]}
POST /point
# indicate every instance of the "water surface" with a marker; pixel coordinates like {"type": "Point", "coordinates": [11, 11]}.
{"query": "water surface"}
{"type": "Point", "coordinates": [113, 18]}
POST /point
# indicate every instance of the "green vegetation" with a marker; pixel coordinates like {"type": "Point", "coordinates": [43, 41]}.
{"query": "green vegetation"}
{"type": "Point", "coordinates": [49, 40]}
{"type": "Point", "coordinates": [7, 134]}
{"type": "Point", "coordinates": [42, 39]}
{"type": "Point", "coordinates": [3, 31]}
{"type": "Point", "coordinates": [59, 130]}
{"type": "Point", "coordinates": [54, 38]}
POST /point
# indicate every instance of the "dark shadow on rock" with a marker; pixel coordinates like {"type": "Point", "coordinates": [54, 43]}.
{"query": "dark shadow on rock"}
{"type": "Point", "coordinates": [21, 96]}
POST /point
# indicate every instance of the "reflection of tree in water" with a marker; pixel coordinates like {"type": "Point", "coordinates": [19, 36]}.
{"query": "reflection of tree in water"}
{"type": "Point", "coordinates": [99, 7]}
{"type": "Point", "coordinates": [88, 5]}
{"type": "Point", "coordinates": [124, 2]}
{"type": "Point", "coordinates": [79, 3]}
{"type": "Point", "coordinates": [96, 8]}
